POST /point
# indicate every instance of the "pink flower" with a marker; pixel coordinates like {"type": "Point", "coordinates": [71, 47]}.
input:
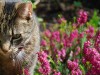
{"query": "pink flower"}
{"type": "Point", "coordinates": [93, 56]}
{"type": "Point", "coordinates": [42, 56]}
{"type": "Point", "coordinates": [73, 35]}
{"type": "Point", "coordinates": [56, 36]}
{"type": "Point", "coordinates": [82, 17]}
{"type": "Point", "coordinates": [76, 72]}
{"type": "Point", "coordinates": [81, 35]}
{"type": "Point", "coordinates": [72, 65]}
{"type": "Point", "coordinates": [45, 65]}
{"type": "Point", "coordinates": [26, 71]}
{"type": "Point", "coordinates": [43, 43]}
{"type": "Point", "coordinates": [65, 40]}
{"type": "Point", "coordinates": [57, 73]}
{"type": "Point", "coordinates": [97, 41]}
{"type": "Point", "coordinates": [47, 33]}
{"type": "Point", "coordinates": [93, 71]}
{"type": "Point", "coordinates": [77, 50]}
{"type": "Point", "coordinates": [62, 20]}
{"type": "Point", "coordinates": [61, 54]}
{"type": "Point", "coordinates": [90, 32]}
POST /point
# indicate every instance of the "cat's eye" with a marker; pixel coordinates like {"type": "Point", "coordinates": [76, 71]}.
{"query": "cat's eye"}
{"type": "Point", "coordinates": [16, 39]}
{"type": "Point", "coordinates": [16, 36]}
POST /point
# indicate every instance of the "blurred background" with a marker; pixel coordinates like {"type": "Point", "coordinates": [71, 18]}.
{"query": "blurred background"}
{"type": "Point", "coordinates": [49, 10]}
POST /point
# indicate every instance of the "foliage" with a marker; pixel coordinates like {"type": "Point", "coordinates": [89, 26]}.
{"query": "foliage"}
{"type": "Point", "coordinates": [95, 20]}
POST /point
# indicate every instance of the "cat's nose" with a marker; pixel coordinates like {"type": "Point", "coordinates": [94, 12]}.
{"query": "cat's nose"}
{"type": "Point", "coordinates": [16, 39]}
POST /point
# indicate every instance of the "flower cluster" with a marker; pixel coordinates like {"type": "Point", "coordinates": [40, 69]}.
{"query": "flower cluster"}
{"type": "Point", "coordinates": [56, 73]}
{"type": "Point", "coordinates": [26, 71]}
{"type": "Point", "coordinates": [82, 17]}
{"type": "Point", "coordinates": [45, 66]}
{"type": "Point", "coordinates": [56, 36]}
{"type": "Point", "coordinates": [73, 66]}
{"type": "Point", "coordinates": [61, 54]}
{"type": "Point", "coordinates": [90, 32]}
{"type": "Point", "coordinates": [93, 56]}
{"type": "Point", "coordinates": [97, 41]}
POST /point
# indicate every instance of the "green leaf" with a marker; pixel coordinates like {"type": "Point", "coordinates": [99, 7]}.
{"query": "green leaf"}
{"type": "Point", "coordinates": [83, 69]}
{"type": "Point", "coordinates": [95, 20]}
{"type": "Point", "coordinates": [33, 6]}
{"type": "Point", "coordinates": [83, 40]}
{"type": "Point", "coordinates": [36, 73]}
{"type": "Point", "coordinates": [77, 3]}
{"type": "Point", "coordinates": [52, 62]}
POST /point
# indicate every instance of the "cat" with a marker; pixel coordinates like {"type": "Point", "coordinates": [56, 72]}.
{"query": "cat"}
{"type": "Point", "coordinates": [19, 37]}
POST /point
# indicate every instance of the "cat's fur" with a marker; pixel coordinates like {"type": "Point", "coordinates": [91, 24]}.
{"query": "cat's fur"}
{"type": "Point", "coordinates": [19, 37]}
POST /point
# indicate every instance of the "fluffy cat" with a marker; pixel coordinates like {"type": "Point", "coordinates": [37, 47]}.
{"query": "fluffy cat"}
{"type": "Point", "coordinates": [19, 37]}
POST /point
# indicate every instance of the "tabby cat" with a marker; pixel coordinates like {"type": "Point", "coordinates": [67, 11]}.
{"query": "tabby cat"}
{"type": "Point", "coordinates": [19, 37]}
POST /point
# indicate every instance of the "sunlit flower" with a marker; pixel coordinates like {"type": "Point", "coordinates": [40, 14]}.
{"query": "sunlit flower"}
{"type": "Point", "coordinates": [57, 73]}
{"type": "Point", "coordinates": [45, 65]}
{"type": "Point", "coordinates": [56, 36]}
{"type": "Point", "coordinates": [90, 32]}
{"type": "Point", "coordinates": [73, 35]}
{"type": "Point", "coordinates": [47, 33]}
{"type": "Point", "coordinates": [82, 17]}
{"type": "Point", "coordinates": [62, 20]}
{"type": "Point", "coordinates": [26, 71]}
{"type": "Point", "coordinates": [43, 43]}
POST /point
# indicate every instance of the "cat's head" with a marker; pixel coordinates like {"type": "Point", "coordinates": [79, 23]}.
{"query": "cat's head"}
{"type": "Point", "coordinates": [17, 29]}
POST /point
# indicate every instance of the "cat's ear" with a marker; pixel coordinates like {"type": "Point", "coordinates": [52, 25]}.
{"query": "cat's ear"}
{"type": "Point", "coordinates": [24, 10]}
{"type": "Point", "coordinates": [1, 6]}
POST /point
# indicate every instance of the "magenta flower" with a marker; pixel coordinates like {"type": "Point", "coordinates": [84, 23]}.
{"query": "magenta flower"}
{"type": "Point", "coordinates": [90, 32]}
{"type": "Point", "coordinates": [97, 41]}
{"type": "Point", "coordinates": [77, 50]}
{"type": "Point", "coordinates": [42, 56]}
{"type": "Point", "coordinates": [45, 65]}
{"type": "Point", "coordinates": [59, 55]}
{"type": "Point", "coordinates": [57, 73]}
{"type": "Point", "coordinates": [56, 36]}
{"type": "Point", "coordinates": [82, 17]}
{"type": "Point", "coordinates": [81, 35]}
{"type": "Point", "coordinates": [72, 65]}
{"type": "Point", "coordinates": [45, 68]}
{"type": "Point", "coordinates": [93, 71]}
{"type": "Point", "coordinates": [73, 35]}
{"type": "Point", "coordinates": [66, 42]}
{"type": "Point", "coordinates": [63, 53]}
{"type": "Point", "coordinates": [47, 33]}
{"type": "Point", "coordinates": [43, 43]}
{"type": "Point", "coordinates": [76, 72]}
{"type": "Point", "coordinates": [93, 56]}
{"type": "Point", "coordinates": [26, 71]}
{"type": "Point", "coordinates": [62, 20]}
